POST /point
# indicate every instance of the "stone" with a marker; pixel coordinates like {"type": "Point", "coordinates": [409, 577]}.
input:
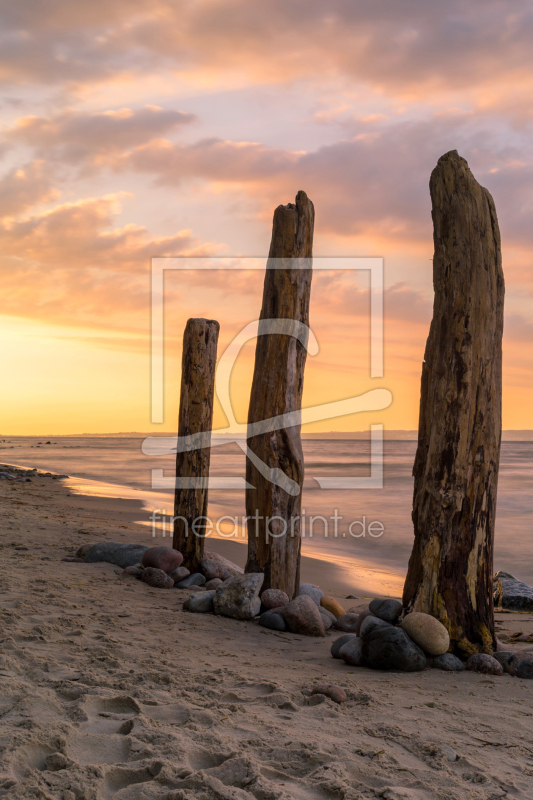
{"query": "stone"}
{"type": "Point", "coordinates": [274, 598]}
{"type": "Point", "coordinates": [503, 657]}
{"type": "Point", "coordinates": [179, 574]}
{"type": "Point", "coordinates": [71, 559]}
{"type": "Point", "coordinates": [157, 578]}
{"type": "Point", "coordinates": [214, 583]}
{"type": "Point", "coordinates": [312, 591]}
{"type": "Point", "coordinates": [326, 619]}
{"type": "Point", "coordinates": [511, 593]}
{"type": "Point", "coordinates": [448, 662]}
{"type": "Point", "coordinates": [302, 616]}
{"type": "Point", "coordinates": [201, 602]}
{"type": "Point", "coordinates": [520, 665]}
{"type": "Point", "coordinates": [332, 691]}
{"type": "Point", "coordinates": [386, 609]}
{"type": "Point", "coordinates": [118, 553]}
{"type": "Point", "coordinates": [165, 558]}
{"type": "Point", "coordinates": [352, 652]}
{"type": "Point", "coordinates": [196, 579]}
{"type": "Point", "coordinates": [328, 614]}
{"type": "Point", "coordinates": [481, 662]}
{"type": "Point", "coordinates": [338, 643]}
{"type": "Point", "coordinates": [238, 597]}
{"type": "Point", "coordinates": [370, 623]}
{"type": "Point", "coordinates": [83, 550]}
{"type": "Point", "coordinates": [211, 569]}
{"type": "Point", "coordinates": [388, 647]}
{"type": "Point", "coordinates": [347, 623]}
{"type": "Point", "coordinates": [229, 569]}
{"type": "Point", "coordinates": [427, 631]}
{"type": "Point", "coordinates": [332, 605]}
{"type": "Point", "coordinates": [269, 619]}
{"type": "Point", "coordinates": [362, 616]}
{"type": "Point", "coordinates": [136, 571]}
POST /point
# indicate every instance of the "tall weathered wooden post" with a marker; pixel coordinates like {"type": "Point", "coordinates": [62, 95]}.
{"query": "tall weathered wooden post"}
{"type": "Point", "coordinates": [456, 465]}
{"type": "Point", "coordinates": [195, 416]}
{"type": "Point", "coordinates": [277, 388]}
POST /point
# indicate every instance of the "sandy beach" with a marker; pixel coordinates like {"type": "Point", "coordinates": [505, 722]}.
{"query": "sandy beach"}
{"type": "Point", "coordinates": [110, 690]}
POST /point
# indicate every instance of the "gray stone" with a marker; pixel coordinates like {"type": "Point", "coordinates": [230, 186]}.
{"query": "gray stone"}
{"type": "Point", "coordinates": [362, 616]}
{"type": "Point", "coordinates": [386, 609]}
{"type": "Point", "coordinates": [157, 578]}
{"type": "Point", "coordinates": [347, 623]}
{"type": "Point", "coordinates": [387, 647]}
{"type": "Point", "coordinates": [238, 597]}
{"type": "Point", "coordinates": [119, 553]}
{"type": "Point", "coordinates": [179, 574]}
{"type": "Point", "coordinates": [514, 594]}
{"type": "Point", "coordinates": [196, 579]}
{"type": "Point", "coordinates": [214, 583]}
{"type": "Point", "coordinates": [274, 598]}
{"type": "Point", "coordinates": [229, 569]}
{"type": "Point", "coordinates": [352, 652]}
{"type": "Point", "coordinates": [136, 571]}
{"type": "Point", "coordinates": [520, 665]}
{"type": "Point", "coordinates": [302, 616]}
{"type": "Point", "coordinates": [201, 603]}
{"type": "Point", "coordinates": [487, 665]}
{"type": "Point", "coordinates": [329, 614]}
{"type": "Point", "coordinates": [212, 569]}
{"type": "Point", "coordinates": [326, 619]}
{"type": "Point", "coordinates": [370, 623]}
{"type": "Point", "coordinates": [338, 643]}
{"type": "Point", "coordinates": [269, 619]}
{"type": "Point", "coordinates": [312, 591]}
{"type": "Point", "coordinates": [503, 657]}
{"type": "Point", "coordinates": [448, 662]}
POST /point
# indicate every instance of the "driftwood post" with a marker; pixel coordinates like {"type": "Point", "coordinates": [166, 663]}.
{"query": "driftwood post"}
{"type": "Point", "coordinates": [456, 465]}
{"type": "Point", "coordinates": [277, 388]}
{"type": "Point", "coordinates": [195, 416]}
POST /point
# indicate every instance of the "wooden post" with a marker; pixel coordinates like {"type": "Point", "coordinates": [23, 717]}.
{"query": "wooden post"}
{"type": "Point", "coordinates": [195, 416]}
{"type": "Point", "coordinates": [456, 465]}
{"type": "Point", "coordinates": [277, 388]}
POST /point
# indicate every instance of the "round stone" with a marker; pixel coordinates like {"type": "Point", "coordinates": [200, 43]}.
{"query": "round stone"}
{"type": "Point", "coordinates": [347, 623]}
{"type": "Point", "coordinates": [332, 691]}
{"type": "Point", "coordinates": [274, 598]}
{"type": "Point", "coordinates": [338, 643]}
{"type": "Point", "coordinates": [352, 652]}
{"type": "Point", "coordinates": [269, 619]}
{"type": "Point", "coordinates": [326, 619]}
{"type": "Point", "coordinates": [386, 609]}
{"type": "Point", "coordinates": [448, 662]}
{"type": "Point", "coordinates": [214, 583]}
{"type": "Point", "coordinates": [179, 574]}
{"type": "Point", "coordinates": [481, 662]}
{"type": "Point", "coordinates": [165, 558]}
{"type": "Point", "coordinates": [427, 632]}
{"type": "Point", "coordinates": [370, 623]}
{"type": "Point", "coordinates": [312, 591]}
{"type": "Point", "coordinates": [332, 605]}
{"type": "Point", "coordinates": [156, 578]}
{"type": "Point", "coordinates": [362, 616]}
{"type": "Point", "coordinates": [388, 647]}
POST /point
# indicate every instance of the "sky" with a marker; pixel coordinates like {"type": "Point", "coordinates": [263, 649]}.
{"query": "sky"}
{"type": "Point", "coordinates": [133, 130]}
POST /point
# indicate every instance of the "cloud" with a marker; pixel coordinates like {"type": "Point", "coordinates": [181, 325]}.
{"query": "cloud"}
{"type": "Point", "coordinates": [24, 187]}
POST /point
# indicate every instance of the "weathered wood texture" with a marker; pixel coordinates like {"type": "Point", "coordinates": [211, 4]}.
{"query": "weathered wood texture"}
{"type": "Point", "coordinates": [456, 465]}
{"type": "Point", "coordinates": [195, 416]}
{"type": "Point", "coordinates": [277, 389]}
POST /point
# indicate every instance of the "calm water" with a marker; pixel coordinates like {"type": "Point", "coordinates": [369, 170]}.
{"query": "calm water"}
{"type": "Point", "coordinates": [117, 467]}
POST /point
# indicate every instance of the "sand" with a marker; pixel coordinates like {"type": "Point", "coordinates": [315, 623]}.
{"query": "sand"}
{"type": "Point", "coordinates": [110, 690]}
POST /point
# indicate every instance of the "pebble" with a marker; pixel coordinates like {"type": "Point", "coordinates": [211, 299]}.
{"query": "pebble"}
{"type": "Point", "coordinates": [164, 558]}
{"type": "Point", "coordinates": [481, 662]}
{"type": "Point", "coordinates": [427, 631]}
{"type": "Point", "coordinates": [371, 623]}
{"type": "Point", "coordinates": [135, 570]}
{"type": "Point", "coordinates": [338, 643]}
{"type": "Point", "coordinates": [332, 605]}
{"type": "Point", "coordinates": [352, 652]}
{"type": "Point", "coordinates": [312, 591]}
{"type": "Point", "coordinates": [448, 662]}
{"type": "Point", "coordinates": [387, 647]}
{"type": "Point", "coordinates": [214, 583]}
{"type": "Point", "coordinates": [362, 616]}
{"type": "Point", "coordinates": [386, 609]}
{"type": "Point", "coordinates": [347, 623]}
{"type": "Point", "coordinates": [196, 579]}
{"type": "Point", "coordinates": [274, 598]}
{"type": "Point", "coordinates": [238, 597]}
{"type": "Point", "coordinates": [302, 616]}
{"type": "Point", "coordinates": [200, 603]}
{"type": "Point", "coordinates": [156, 578]}
{"type": "Point", "coordinates": [332, 691]}
{"type": "Point", "coordinates": [269, 619]}
{"type": "Point", "coordinates": [179, 574]}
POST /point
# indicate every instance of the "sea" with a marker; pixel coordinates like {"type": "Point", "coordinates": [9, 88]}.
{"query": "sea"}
{"type": "Point", "coordinates": [366, 532]}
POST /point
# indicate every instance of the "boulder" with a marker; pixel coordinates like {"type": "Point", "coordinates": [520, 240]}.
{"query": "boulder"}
{"type": "Point", "coordinates": [386, 609]}
{"type": "Point", "coordinates": [312, 591]}
{"type": "Point", "coordinates": [179, 574]}
{"type": "Point", "coordinates": [238, 597]}
{"type": "Point", "coordinates": [269, 619]}
{"type": "Point", "coordinates": [352, 652]}
{"type": "Point", "coordinates": [118, 553]}
{"type": "Point", "coordinates": [427, 632]}
{"type": "Point", "coordinates": [362, 616]}
{"type": "Point", "coordinates": [370, 623]}
{"type": "Point", "coordinates": [388, 647]}
{"type": "Point", "coordinates": [157, 578]}
{"type": "Point", "coordinates": [338, 643]}
{"type": "Point", "coordinates": [448, 662]}
{"type": "Point", "coordinates": [274, 598]}
{"type": "Point", "coordinates": [200, 603]}
{"type": "Point", "coordinates": [332, 691]}
{"type": "Point", "coordinates": [302, 616]}
{"type": "Point", "coordinates": [332, 605]}
{"type": "Point", "coordinates": [229, 569]}
{"type": "Point", "coordinates": [196, 579]}
{"type": "Point", "coordinates": [511, 593]}
{"type": "Point", "coordinates": [487, 665]}
{"type": "Point", "coordinates": [165, 558]}
{"type": "Point", "coordinates": [347, 623]}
